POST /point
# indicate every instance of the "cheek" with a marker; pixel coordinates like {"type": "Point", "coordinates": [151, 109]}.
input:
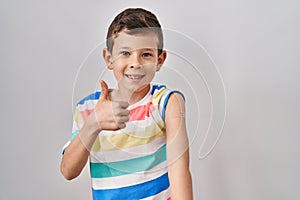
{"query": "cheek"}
{"type": "Point", "coordinates": [150, 66]}
{"type": "Point", "coordinates": [151, 71]}
{"type": "Point", "coordinates": [118, 71]}
{"type": "Point", "coordinates": [118, 75]}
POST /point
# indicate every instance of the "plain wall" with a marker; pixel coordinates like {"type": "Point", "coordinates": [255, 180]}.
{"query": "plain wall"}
{"type": "Point", "coordinates": [255, 46]}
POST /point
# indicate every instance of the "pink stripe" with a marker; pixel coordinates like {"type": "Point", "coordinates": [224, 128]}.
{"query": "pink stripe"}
{"type": "Point", "coordinates": [140, 112]}
{"type": "Point", "coordinates": [84, 114]}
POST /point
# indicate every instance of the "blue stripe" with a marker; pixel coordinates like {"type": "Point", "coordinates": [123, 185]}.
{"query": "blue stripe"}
{"type": "Point", "coordinates": [166, 101]}
{"type": "Point", "coordinates": [93, 96]}
{"type": "Point", "coordinates": [63, 151]}
{"type": "Point", "coordinates": [134, 192]}
{"type": "Point", "coordinates": [156, 87]}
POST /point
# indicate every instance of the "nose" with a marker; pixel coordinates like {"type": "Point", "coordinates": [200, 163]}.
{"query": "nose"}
{"type": "Point", "coordinates": [135, 61]}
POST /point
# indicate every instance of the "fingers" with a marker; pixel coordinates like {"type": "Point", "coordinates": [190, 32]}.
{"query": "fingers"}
{"type": "Point", "coordinates": [121, 119]}
{"type": "Point", "coordinates": [104, 91]}
{"type": "Point", "coordinates": [111, 114]}
{"type": "Point", "coordinates": [120, 104]}
{"type": "Point", "coordinates": [120, 111]}
{"type": "Point", "coordinates": [121, 114]}
{"type": "Point", "coordinates": [122, 125]}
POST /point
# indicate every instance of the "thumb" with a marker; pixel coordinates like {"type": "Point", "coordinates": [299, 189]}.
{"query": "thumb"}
{"type": "Point", "coordinates": [104, 91]}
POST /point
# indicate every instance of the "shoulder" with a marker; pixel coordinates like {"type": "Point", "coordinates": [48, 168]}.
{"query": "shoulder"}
{"type": "Point", "coordinates": [85, 106]}
{"type": "Point", "coordinates": [91, 97]}
{"type": "Point", "coordinates": [157, 89]}
{"type": "Point", "coordinates": [167, 99]}
{"type": "Point", "coordinates": [175, 115]}
{"type": "Point", "coordinates": [162, 91]}
{"type": "Point", "coordinates": [176, 103]}
{"type": "Point", "coordinates": [88, 103]}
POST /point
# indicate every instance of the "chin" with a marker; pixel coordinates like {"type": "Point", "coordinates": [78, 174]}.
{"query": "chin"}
{"type": "Point", "coordinates": [138, 88]}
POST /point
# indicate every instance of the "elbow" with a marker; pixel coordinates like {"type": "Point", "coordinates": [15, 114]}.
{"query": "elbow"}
{"type": "Point", "coordinates": [67, 173]}
{"type": "Point", "coordinates": [68, 176]}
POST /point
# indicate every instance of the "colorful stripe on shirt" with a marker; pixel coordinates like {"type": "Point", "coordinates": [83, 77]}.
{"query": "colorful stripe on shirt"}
{"type": "Point", "coordinates": [129, 163]}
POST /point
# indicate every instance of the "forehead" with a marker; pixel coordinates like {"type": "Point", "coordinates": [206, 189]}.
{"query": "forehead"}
{"type": "Point", "coordinates": [136, 41]}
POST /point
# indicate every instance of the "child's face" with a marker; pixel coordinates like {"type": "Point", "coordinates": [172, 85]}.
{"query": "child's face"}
{"type": "Point", "coordinates": [134, 59]}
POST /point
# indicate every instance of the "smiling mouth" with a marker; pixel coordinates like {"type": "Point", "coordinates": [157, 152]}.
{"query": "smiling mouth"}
{"type": "Point", "coordinates": [134, 77]}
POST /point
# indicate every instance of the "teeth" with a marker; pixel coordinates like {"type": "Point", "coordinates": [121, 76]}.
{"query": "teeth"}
{"type": "Point", "coordinates": [134, 76]}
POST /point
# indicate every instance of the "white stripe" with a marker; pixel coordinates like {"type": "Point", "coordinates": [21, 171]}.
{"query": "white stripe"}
{"type": "Point", "coordinates": [74, 127]}
{"type": "Point", "coordinates": [162, 100]}
{"type": "Point", "coordinates": [65, 146]}
{"type": "Point", "coordinates": [129, 179]}
{"type": "Point", "coordinates": [91, 103]}
{"type": "Point", "coordinates": [160, 196]}
{"type": "Point", "coordinates": [88, 104]}
{"type": "Point", "coordinates": [129, 153]}
{"type": "Point", "coordinates": [144, 101]}
{"type": "Point", "coordinates": [154, 117]}
{"type": "Point", "coordinates": [138, 125]}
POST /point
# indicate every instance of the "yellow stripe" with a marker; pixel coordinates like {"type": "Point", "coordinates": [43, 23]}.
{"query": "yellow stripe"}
{"type": "Point", "coordinates": [157, 96]}
{"type": "Point", "coordinates": [128, 140]}
{"type": "Point", "coordinates": [78, 118]}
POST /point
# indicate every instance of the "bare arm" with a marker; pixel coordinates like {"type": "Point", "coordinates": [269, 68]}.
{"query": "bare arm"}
{"type": "Point", "coordinates": [178, 149]}
{"type": "Point", "coordinates": [107, 115]}
{"type": "Point", "coordinates": [76, 155]}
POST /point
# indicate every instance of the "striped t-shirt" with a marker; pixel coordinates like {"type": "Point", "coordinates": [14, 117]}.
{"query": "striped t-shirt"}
{"type": "Point", "coordinates": [130, 163]}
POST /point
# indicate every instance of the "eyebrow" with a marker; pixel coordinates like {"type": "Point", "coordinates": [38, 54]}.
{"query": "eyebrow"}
{"type": "Point", "coordinates": [124, 48]}
{"type": "Point", "coordinates": [145, 49]}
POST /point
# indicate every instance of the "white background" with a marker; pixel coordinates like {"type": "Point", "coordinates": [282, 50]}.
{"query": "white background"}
{"type": "Point", "coordinates": [255, 45]}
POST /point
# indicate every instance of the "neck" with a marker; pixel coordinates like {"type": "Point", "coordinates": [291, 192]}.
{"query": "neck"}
{"type": "Point", "coordinates": [123, 94]}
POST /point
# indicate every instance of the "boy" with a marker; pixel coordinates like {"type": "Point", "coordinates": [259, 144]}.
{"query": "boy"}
{"type": "Point", "coordinates": [135, 136]}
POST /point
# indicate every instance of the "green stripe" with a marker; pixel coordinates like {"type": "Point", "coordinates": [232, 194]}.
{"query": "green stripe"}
{"type": "Point", "coordinates": [111, 169]}
{"type": "Point", "coordinates": [74, 135]}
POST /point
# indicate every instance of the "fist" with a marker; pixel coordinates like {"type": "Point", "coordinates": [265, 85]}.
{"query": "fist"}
{"type": "Point", "coordinates": [109, 114]}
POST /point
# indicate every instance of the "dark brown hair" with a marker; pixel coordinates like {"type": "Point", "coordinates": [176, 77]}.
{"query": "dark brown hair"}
{"type": "Point", "coordinates": [134, 20]}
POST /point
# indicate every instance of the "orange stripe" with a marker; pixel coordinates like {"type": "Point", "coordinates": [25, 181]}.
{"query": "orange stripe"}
{"type": "Point", "coordinates": [84, 114]}
{"type": "Point", "coordinates": [140, 112]}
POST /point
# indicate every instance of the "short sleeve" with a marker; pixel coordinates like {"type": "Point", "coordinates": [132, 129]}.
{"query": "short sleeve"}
{"type": "Point", "coordinates": [164, 101]}
{"type": "Point", "coordinates": [82, 111]}
{"type": "Point", "coordinates": [77, 119]}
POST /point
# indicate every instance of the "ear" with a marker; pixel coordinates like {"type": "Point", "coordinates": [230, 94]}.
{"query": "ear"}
{"type": "Point", "coordinates": [107, 58]}
{"type": "Point", "coordinates": [161, 59]}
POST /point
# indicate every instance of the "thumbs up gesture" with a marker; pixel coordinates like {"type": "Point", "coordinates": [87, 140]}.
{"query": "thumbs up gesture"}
{"type": "Point", "coordinates": [110, 115]}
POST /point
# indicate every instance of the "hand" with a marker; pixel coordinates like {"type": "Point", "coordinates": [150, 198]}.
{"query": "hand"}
{"type": "Point", "coordinates": [110, 115]}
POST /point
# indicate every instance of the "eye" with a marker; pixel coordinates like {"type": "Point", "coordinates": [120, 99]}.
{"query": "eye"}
{"type": "Point", "coordinates": [124, 53]}
{"type": "Point", "coordinates": [147, 54]}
